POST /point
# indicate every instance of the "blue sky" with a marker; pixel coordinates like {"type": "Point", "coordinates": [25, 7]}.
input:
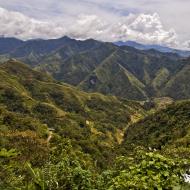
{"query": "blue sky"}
{"type": "Point", "coordinates": [163, 22]}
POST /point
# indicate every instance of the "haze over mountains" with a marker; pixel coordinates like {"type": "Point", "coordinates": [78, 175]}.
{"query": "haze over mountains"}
{"type": "Point", "coordinates": [160, 48]}
{"type": "Point", "coordinates": [96, 66]}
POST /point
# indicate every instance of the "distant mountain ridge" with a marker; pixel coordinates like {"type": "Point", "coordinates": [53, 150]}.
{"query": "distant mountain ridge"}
{"type": "Point", "coordinates": [95, 66]}
{"type": "Point", "coordinates": [8, 45]}
{"type": "Point", "coordinates": [53, 44]}
{"type": "Point", "coordinates": [163, 49]}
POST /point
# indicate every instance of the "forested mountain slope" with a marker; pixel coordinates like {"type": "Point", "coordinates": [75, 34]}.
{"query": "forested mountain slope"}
{"type": "Point", "coordinates": [167, 129]}
{"type": "Point", "coordinates": [96, 66]}
{"type": "Point", "coordinates": [93, 122]}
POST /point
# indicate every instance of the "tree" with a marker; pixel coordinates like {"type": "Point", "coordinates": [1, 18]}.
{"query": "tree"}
{"type": "Point", "coordinates": [148, 171]}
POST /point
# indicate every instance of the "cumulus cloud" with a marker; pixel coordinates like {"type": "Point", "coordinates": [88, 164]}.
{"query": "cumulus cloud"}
{"type": "Point", "coordinates": [108, 19]}
{"type": "Point", "coordinates": [141, 27]}
{"type": "Point", "coordinates": [186, 45]}
{"type": "Point", "coordinates": [144, 28]}
{"type": "Point", "coordinates": [20, 26]}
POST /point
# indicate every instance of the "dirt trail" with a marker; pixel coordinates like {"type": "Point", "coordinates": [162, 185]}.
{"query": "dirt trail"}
{"type": "Point", "coordinates": [134, 119]}
{"type": "Point", "coordinates": [50, 136]}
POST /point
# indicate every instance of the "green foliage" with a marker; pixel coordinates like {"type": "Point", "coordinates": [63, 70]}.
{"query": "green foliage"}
{"type": "Point", "coordinates": [6, 154]}
{"type": "Point", "coordinates": [63, 170]}
{"type": "Point", "coordinates": [8, 168]}
{"type": "Point", "coordinates": [148, 171]}
{"type": "Point", "coordinates": [69, 169]}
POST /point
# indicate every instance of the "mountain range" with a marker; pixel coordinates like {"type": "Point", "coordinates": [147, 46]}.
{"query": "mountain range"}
{"type": "Point", "coordinates": [95, 66]}
{"type": "Point", "coordinates": [164, 49]}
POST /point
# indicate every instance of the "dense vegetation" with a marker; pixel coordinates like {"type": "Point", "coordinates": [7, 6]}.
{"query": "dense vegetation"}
{"type": "Point", "coordinates": [55, 136]}
{"type": "Point", "coordinates": [65, 169]}
{"type": "Point", "coordinates": [167, 127]}
{"type": "Point", "coordinates": [33, 101]}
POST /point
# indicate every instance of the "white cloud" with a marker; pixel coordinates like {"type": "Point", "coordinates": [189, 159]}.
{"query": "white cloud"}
{"type": "Point", "coordinates": [21, 26]}
{"type": "Point", "coordinates": [186, 45]}
{"type": "Point", "coordinates": [173, 14]}
{"type": "Point", "coordinates": [141, 27]}
{"type": "Point", "coordinates": [144, 28]}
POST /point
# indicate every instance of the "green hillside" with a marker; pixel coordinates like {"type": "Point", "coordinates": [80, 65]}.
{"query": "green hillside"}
{"type": "Point", "coordinates": [110, 77]}
{"type": "Point", "coordinates": [178, 86]}
{"type": "Point", "coordinates": [166, 130]}
{"type": "Point", "coordinates": [54, 136]}
{"type": "Point", "coordinates": [84, 118]}
{"type": "Point", "coordinates": [72, 65]}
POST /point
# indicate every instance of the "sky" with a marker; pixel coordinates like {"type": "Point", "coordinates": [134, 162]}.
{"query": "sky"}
{"type": "Point", "coordinates": [164, 22]}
